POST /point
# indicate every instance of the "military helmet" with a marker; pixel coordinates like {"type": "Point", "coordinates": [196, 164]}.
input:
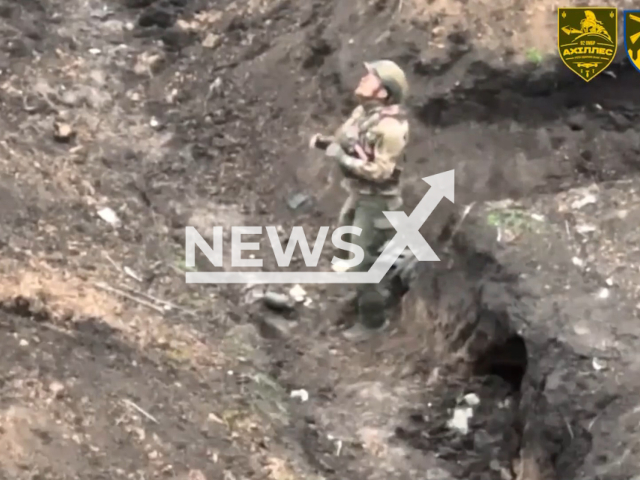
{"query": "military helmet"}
{"type": "Point", "coordinates": [392, 78]}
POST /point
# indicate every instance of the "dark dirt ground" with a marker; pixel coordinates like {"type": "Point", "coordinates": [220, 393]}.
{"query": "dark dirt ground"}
{"type": "Point", "coordinates": [198, 113]}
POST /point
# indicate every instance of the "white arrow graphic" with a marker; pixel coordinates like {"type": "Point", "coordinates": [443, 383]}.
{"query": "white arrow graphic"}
{"type": "Point", "coordinates": [408, 228]}
{"type": "Point", "coordinates": [408, 235]}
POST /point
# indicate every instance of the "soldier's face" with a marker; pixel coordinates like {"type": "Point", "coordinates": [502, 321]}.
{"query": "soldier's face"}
{"type": "Point", "coordinates": [370, 87]}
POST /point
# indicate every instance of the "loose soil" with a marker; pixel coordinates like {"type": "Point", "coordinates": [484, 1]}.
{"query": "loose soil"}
{"type": "Point", "coordinates": [176, 112]}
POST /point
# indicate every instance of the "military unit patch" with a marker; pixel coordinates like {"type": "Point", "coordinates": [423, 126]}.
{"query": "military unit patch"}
{"type": "Point", "coordinates": [632, 36]}
{"type": "Point", "coordinates": [588, 38]}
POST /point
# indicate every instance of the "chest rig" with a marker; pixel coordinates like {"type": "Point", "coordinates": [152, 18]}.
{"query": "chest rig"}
{"type": "Point", "coordinates": [363, 129]}
{"type": "Point", "coordinates": [363, 135]}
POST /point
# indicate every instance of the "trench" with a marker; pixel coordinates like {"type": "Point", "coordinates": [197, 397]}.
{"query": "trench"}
{"type": "Point", "coordinates": [593, 124]}
{"type": "Point", "coordinates": [596, 127]}
{"type": "Point", "coordinates": [599, 125]}
{"type": "Point", "coordinates": [533, 96]}
{"type": "Point", "coordinates": [500, 364]}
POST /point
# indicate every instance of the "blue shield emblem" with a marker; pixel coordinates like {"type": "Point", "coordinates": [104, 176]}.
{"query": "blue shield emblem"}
{"type": "Point", "coordinates": [632, 36]}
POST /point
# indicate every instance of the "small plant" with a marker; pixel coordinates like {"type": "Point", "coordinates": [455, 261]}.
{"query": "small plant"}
{"type": "Point", "coordinates": [534, 56]}
{"type": "Point", "coordinates": [516, 221]}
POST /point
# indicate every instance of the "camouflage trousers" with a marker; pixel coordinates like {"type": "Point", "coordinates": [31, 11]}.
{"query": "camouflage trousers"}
{"type": "Point", "coordinates": [365, 212]}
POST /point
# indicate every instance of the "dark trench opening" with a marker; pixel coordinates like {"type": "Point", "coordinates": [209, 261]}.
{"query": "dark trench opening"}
{"type": "Point", "coordinates": [508, 360]}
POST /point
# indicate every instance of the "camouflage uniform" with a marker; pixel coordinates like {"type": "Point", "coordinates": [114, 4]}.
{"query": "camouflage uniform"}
{"type": "Point", "coordinates": [381, 132]}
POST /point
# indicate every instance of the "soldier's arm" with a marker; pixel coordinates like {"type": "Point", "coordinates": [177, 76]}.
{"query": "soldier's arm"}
{"type": "Point", "coordinates": [392, 140]}
{"type": "Point", "coordinates": [341, 135]}
{"type": "Point", "coordinates": [344, 135]}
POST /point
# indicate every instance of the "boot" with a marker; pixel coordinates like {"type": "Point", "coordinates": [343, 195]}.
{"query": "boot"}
{"type": "Point", "coordinates": [371, 316]}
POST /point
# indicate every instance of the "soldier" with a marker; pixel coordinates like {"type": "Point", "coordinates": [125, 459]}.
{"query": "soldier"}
{"type": "Point", "coordinates": [369, 148]}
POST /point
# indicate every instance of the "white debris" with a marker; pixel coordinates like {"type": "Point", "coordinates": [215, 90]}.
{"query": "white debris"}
{"type": "Point", "coordinates": [537, 217]}
{"type": "Point", "coordinates": [298, 293]}
{"type": "Point", "coordinates": [340, 266]}
{"type": "Point", "coordinates": [56, 388]}
{"type": "Point", "coordinates": [460, 419]}
{"type": "Point", "coordinates": [609, 281]}
{"type": "Point", "coordinates": [108, 215]}
{"type": "Point", "coordinates": [584, 201]}
{"type": "Point", "coordinates": [307, 302]}
{"type": "Point", "coordinates": [132, 274]}
{"type": "Point", "coordinates": [302, 394]}
{"type": "Point", "coordinates": [154, 122]}
{"type": "Point", "coordinates": [215, 85]}
{"type": "Point", "coordinates": [585, 228]}
{"type": "Point", "coordinates": [577, 262]}
{"type": "Point", "coordinates": [472, 399]}
{"type": "Point", "coordinates": [603, 293]}
{"type": "Point", "coordinates": [24, 343]}
{"type": "Point", "coordinates": [598, 365]}
{"type": "Point", "coordinates": [211, 40]}
{"type": "Point", "coordinates": [215, 418]}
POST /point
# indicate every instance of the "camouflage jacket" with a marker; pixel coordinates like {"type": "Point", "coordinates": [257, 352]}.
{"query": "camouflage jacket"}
{"type": "Point", "coordinates": [378, 137]}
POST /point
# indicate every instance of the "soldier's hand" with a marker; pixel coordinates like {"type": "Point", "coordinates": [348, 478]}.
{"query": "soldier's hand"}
{"type": "Point", "coordinates": [313, 140]}
{"type": "Point", "coordinates": [334, 150]}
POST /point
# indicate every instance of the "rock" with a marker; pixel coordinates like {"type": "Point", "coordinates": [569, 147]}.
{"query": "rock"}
{"type": "Point", "coordinates": [56, 388]}
{"type": "Point", "coordinates": [274, 327]}
{"type": "Point", "coordinates": [108, 215]}
{"type": "Point", "coordinates": [211, 41]}
{"type": "Point", "coordinates": [298, 293]}
{"type": "Point", "coordinates": [297, 200]}
{"type": "Point", "coordinates": [472, 399]}
{"type": "Point", "coordinates": [460, 420]}
{"type": "Point", "coordinates": [278, 301]}
{"type": "Point", "coordinates": [148, 63]}
{"type": "Point", "coordinates": [302, 394]}
{"type": "Point", "coordinates": [62, 132]}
